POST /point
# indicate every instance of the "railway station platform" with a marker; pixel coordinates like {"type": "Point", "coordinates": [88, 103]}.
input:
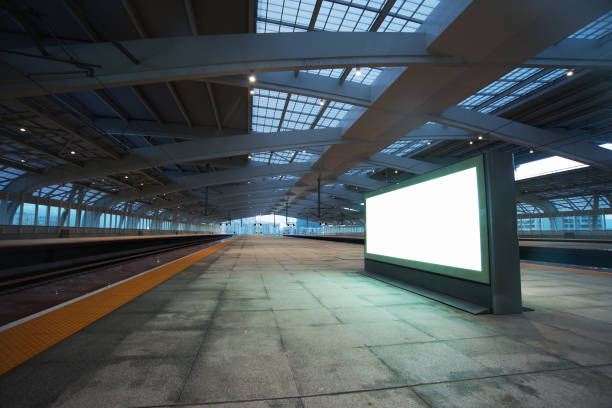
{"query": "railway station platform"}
{"type": "Point", "coordinates": [288, 322]}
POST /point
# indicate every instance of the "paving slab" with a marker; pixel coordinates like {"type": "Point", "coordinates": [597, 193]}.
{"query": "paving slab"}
{"type": "Point", "coordinates": [283, 322]}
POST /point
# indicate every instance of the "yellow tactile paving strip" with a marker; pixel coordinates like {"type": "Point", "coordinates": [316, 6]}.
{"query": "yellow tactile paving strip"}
{"type": "Point", "coordinates": [22, 342]}
{"type": "Point", "coordinates": [561, 268]}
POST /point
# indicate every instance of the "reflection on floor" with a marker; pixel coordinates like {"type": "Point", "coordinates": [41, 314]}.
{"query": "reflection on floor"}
{"type": "Point", "coordinates": [286, 322]}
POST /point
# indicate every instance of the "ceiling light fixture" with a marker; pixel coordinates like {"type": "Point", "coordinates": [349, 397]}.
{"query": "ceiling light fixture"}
{"type": "Point", "coordinates": [125, 177]}
{"type": "Point", "coordinates": [72, 152]}
{"type": "Point", "coordinates": [23, 129]}
{"type": "Point", "coordinates": [428, 143]}
{"type": "Point", "coordinates": [531, 151]}
{"type": "Point", "coordinates": [569, 73]}
{"type": "Point", "coordinates": [252, 91]}
{"type": "Point", "coordinates": [357, 71]}
{"type": "Point", "coordinates": [22, 160]}
{"type": "Point", "coordinates": [395, 171]}
{"type": "Point", "coordinates": [321, 102]}
{"type": "Point", "coordinates": [471, 142]}
{"type": "Point", "coordinates": [480, 137]}
{"type": "Point", "coordinates": [252, 77]}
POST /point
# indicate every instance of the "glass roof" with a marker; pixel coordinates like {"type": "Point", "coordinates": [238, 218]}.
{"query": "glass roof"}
{"type": "Point", "coordinates": [405, 147]}
{"type": "Point", "coordinates": [549, 165]}
{"type": "Point", "coordinates": [515, 84]}
{"type": "Point", "coordinates": [285, 157]}
{"type": "Point", "coordinates": [64, 192]}
{"type": "Point", "coordinates": [335, 112]}
{"type": "Point", "coordinates": [267, 110]}
{"type": "Point", "coordinates": [524, 208]}
{"type": "Point", "coordinates": [275, 16]}
{"type": "Point", "coordinates": [341, 15]}
{"type": "Point", "coordinates": [301, 112]}
{"type": "Point", "coordinates": [8, 174]}
{"type": "Point", "coordinates": [581, 203]}
{"type": "Point", "coordinates": [595, 30]}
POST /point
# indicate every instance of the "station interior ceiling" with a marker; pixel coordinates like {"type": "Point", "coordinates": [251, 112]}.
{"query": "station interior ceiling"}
{"type": "Point", "coordinates": [214, 110]}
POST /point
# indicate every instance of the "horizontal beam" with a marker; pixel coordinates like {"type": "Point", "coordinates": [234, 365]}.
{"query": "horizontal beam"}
{"type": "Point", "coordinates": [402, 163]}
{"type": "Point", "coordinates": [149, 128]}
{"type": "Point", "coordinates": [524, 135]}
{"type": "Point", "coordinates": [574, 53]}
{"type": "Point", "coordinates": [184, 152]}
{"type": "Point", "coordinates": [206, 179]}
{"type": "Point", "coordinates": [361, 181]}
{"type": "Point", "coordinates": [187, 58]}
{"type": "Point", "coordinates": [316, 86]}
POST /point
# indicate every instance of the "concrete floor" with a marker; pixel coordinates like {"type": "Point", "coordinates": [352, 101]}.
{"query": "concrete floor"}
{"type": "Point", "coordinates": [282, 322]}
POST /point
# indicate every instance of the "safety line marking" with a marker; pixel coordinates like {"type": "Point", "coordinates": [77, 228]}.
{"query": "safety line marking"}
{"type": "Point", "coordinates": [564, 269]}
{"type": "Point", "coordinates": [27, 337]}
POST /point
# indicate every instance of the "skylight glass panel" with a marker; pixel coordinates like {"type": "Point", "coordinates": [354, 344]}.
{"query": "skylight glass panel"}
{"type": "Point", "coordinates": [524, 208]}
{"type": "Point", "coordinates": [282, 157]}
{"type": "Point", "coordinates": [305, 157]}
{"type": "Point", "coordinates": [8, 174]}
{"type": "Point", "coordinates": [412, 147]}
{"type": "Point", "coordinates": [487, 109]}
{"type": "Point", "coordinates": [557, 73]}
{"type": "Point", "coordinates": [58, 192]}
{"type": "Point", "coordinates": [335, 112]}
{"type": "Point", "coordinates": [475, 100]}
{"type": "Point", "coordinates": [267, 110]}
{"type": "Point", "coordinates": [367, 76]}
{"type": "Point", "coordinates": [395, 146]}
{"type": "Point", "coordinates": [261, 157]}
{"type": "Point", "coordinates": [332, 73]}
{"type": "Point", "coordinates": [92, 195]}
{"type": "Point", "coordinates": [359, 172]}
{"type": "Point", "coordinates": [341, 17]}
{"type": "Point", "coordinates": [414, 9]}
{"type": "Point", "coordinates": [542, 167]}
{"type": "Point", "coordinates": [595, 30]}
{"type": "Point", "coordinates": [606, 146]}
{"type": "Point", "coordinates": [497, 87]}
{"type": "Point", "coordinates": [393, 24]}
{"type": "Point", "coordinates": [301, 112]}
{"type": "Point", "coordinates": [519, 74]}
{"type": "Point", "coordinates": [517, 83]}
{"type": "Point", "coordinates": [284, 177]}
{"type": "Point", "coordinates": [578, 203]}
{"type": "Point", "coordinates": [275, 16]}
{"type": "Point", "coordinates": [119, 206]}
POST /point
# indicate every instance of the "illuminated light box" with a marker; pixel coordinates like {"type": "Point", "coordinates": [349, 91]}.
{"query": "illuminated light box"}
{"type": "Point", "coordinates": [444, 231]}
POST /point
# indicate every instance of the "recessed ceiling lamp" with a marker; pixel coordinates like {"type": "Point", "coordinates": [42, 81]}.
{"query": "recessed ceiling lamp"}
{"type": "Point", "coordinates": [471, 142]}
{"type": "Point", "coordinates": [252, 91]}
{"type": "Point", "coordinates": [321, 102]}
{"type": "Point", "coordinates": [531, 151]}
{"type": "Point", "coordinates": [480, 137]}
{"type": "Point", "coordinates": [569, 73]}
{"type": "Point", "coordinates": [357, 71]}
{"type": "Point", "coordinates": [72, 152]}
{"type": "Point", "coordinates": [23, 129]}
{"type": "Point", "coordinates": [252, 77]}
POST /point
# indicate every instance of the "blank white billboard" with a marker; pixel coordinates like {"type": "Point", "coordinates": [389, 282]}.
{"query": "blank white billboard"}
{"type": "Point", "coordinates": [432, 225]}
